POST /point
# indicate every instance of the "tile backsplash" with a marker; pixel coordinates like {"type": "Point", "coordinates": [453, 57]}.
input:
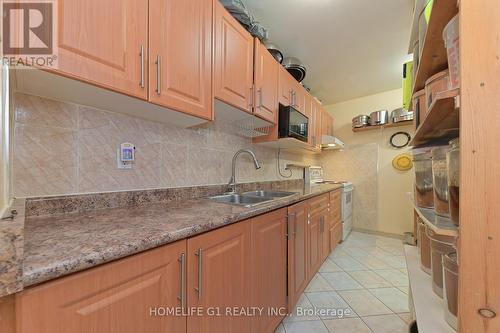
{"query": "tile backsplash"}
{"type": "Point", "coordinates": [63, 148]}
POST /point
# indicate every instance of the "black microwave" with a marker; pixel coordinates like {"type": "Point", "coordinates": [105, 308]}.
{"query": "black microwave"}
{"type": "Point", "coordinates": [292, 123]}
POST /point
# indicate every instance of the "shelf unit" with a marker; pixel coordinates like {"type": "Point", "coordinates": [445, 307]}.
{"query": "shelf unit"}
{"type": "Point", "coordinates": [429, 308]}
{"type": "Point", "coordinates": [442, 121]}
{"type": "Point", "coordinates": [377, 127]}
{"type": "Point", "coordinates": [429, 217]}
{"type": "Point", "coordinates": [433, 55]}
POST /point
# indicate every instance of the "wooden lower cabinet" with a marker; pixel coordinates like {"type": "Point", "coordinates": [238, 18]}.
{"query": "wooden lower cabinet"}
{"type": "Point", "coordinates": [297, 252]}
{"type": "Point", "coordinates": [114, 298]}
{"type": "Point", "coordinates": [218, 278]}
{"type": "Point", "coordinates": [335, 230]}
{"type": "Point", "coordinates": [269, 271]}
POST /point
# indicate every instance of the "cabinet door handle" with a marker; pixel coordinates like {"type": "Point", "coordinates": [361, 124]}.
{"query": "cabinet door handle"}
{"type": "Point", "coordinates": [250, 103]}
{"type": "Point", "coordinates": [142, 67]}
{"type": "Point", "coordinates": [199, 254]}
{"type": "Point", "coordinates": [158, 74]}
{"type": "Point", "coordinates": [181, 297]}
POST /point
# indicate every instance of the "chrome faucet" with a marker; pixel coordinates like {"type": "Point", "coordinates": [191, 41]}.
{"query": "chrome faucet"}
{"type": "Point", "coordinates": [232, 181]}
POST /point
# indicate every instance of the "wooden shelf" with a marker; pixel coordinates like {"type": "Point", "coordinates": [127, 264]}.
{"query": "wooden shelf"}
{"type": "Point", "coordinates": [442, 121]}
{"type": "Point", "coordinates": [391, 125]}
{"type": "Point", "coordinates": [443, 227]}
{"type": "Point", "coordinates": [433, 55]}
{"type": "Point", "coordinates": [429, 308]}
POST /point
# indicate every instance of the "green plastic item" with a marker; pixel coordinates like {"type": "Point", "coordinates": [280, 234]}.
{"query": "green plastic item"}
{"type": "Point", "coordinates": [407, 83]}
{"type": "Point", "coordinates": [428, 10]}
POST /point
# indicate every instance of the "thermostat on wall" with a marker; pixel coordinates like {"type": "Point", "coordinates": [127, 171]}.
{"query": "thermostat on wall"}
{"type": "Point", "coordinates": [125, 155]}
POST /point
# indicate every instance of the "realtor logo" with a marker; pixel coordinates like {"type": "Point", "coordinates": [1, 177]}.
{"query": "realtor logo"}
{"type": "Point", "coordinates": [28, 33]}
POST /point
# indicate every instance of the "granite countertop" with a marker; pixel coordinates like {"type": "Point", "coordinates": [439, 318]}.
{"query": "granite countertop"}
{"type": "Point", "coordinates": [57, 245]}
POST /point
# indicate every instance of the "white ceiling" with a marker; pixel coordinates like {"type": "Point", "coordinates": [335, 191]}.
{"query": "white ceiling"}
{"type": "Point", "coordinates": [351, 48]}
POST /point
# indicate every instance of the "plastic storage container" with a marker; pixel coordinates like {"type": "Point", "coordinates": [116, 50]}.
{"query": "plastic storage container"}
{"type": "Point", "coordinates": [423, 178]}
{"type": "Point", "coordinates": [425, 249]}
{"type": "Point", "coordinates": [450, 287]}
{"type": "Point", "coordinates": [434, 85]}
{"type": "Point", "coordinates": [440, 245]}
{"type": "Point", "coordinates": [419, 107]}
{"type": "Point", "coordinates": [423, 23]}
{"type": "Point", "coordinates": [453, 166]}
{"type": "Point", "coordinates": [452, 44]}
{"type": "Point", "coordinates": [440, 183]}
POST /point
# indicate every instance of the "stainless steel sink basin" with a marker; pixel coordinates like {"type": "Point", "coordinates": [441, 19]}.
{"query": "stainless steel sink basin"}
{"type": "Point", "coordinates": [270, 194]}
{"type": "Point", "coordinates": [250, 199]}
{"type": "Point", "coordinates": [240, 200]}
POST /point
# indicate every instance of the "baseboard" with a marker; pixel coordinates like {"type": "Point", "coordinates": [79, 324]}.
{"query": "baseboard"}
{"type": "Point", "coordinates": [379, 233]}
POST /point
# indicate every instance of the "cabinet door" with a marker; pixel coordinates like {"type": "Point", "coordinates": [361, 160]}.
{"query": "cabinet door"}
{"type": "Point", "coordinates": [219, 278]}
{"type": "Point", "coordinates": [286, 86]}
{"type": "Point", "coordinates": [326, 123]}
{"type": "Point", "coordinates": [269, 273]}
{"type": "Point", "coordinates": [114, 298]}
{"type": "Point", "coordinates": [314, 244]}
{"type": "Point", "coordinates": [266, 84]}
{"type": "Point", "coordinates": [335, 218]}
{"type": "Point", "coordinates": [325, 235]}
{"type": "Point", "coordinates": [180, 57]}
{"type": "Point", "coordinates": [297, 252]}
{"type": "Point", "coordinates": [233, 70]}
{"type": "Point", "coordinates": [100, 42]}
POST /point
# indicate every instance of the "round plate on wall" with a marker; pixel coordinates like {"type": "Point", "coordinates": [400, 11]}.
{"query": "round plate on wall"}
{"type": "Point", "coordinates": [402, 162]}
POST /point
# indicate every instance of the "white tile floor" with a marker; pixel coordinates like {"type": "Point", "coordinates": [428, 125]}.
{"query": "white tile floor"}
{"type": "Point", "coordinates": [366, 275]}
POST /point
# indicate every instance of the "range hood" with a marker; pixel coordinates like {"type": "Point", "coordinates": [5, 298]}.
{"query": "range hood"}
{"type": "Point", "coordinates": [329, 142]}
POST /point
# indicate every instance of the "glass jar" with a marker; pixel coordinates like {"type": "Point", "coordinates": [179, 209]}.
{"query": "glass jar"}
{"type": "Point", "coordinates": [450, 288]}
{"type": "Point", "coordinates": [423, 178]}
{"type": "Point", "coordinates": [453, 166]}
{"type": "Point", "coordinates": [440, 181]}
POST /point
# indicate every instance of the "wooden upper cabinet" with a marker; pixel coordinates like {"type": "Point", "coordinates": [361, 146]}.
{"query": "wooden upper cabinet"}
{"type": "Point", "coordinates": [100, 42]}
{"type": "Point", "coordinates": [219, 275]}
{"type": "Point", "coordinates": [326, 123]}
{"type": "Point", "coordinates": [297, 252]}
{"type": "Point", "coordinates": [180, 55]}
{"type": "Point", "coordinates": [233, 62]}
{"type": "Point", "coordinates": [266, 84]}
{"type": "Point", "coordinates": [113, 298]}
{"type": "Point", "coordinates": [286, 85]}
{"type": "Point", "coordinates": [300, 97]}
{"type": "Point", "coordinates": [269, 272]}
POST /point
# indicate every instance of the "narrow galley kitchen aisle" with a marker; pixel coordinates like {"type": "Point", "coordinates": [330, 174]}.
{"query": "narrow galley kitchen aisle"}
{"type": "Point", "coordinates": [365, 278]}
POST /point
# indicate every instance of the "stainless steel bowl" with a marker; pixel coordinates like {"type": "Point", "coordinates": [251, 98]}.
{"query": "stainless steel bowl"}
{"type": "Point", "coordinates": [275, 51]}
{"type": "Point", "coordinates": [295, 67]}
{"type": "Point", "coordinates": [401, 114]}
{"type": "Point", "coordinates": [379, 117]}
{"type": "Point", "coordinates": [360, 121]}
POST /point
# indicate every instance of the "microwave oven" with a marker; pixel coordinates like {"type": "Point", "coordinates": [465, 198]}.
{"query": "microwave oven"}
{"type": "Point", "coordinates": [292, 123]}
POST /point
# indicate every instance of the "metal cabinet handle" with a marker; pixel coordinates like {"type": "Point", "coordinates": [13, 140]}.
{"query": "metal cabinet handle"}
{"type": "Point", "coordinates": [158, 74]}
{"type": "Point", "coordinates": [260, 97]}
{"type": "Point", "coordinates": [181, 297]}
{"type": "Point", "coordinates": [250, 104]}
{"type": "Point", "coordinates": [199, 254]}
{"type": "Point", "coordinates": [142, 66]}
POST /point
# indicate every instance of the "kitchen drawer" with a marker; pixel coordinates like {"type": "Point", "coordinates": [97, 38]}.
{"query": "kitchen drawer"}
{"type": "Point", "coordinates": [335, 197]}
{"type": "Point", "coordinates": [319, 203]}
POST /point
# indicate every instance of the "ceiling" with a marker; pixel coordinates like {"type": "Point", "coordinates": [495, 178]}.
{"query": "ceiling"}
{"type": "Point", "coordinates": [351, 48]}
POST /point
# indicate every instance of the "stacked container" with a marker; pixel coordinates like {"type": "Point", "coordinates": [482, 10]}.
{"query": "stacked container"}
{"type": "Point", "coordinates": [450, 284]}
{"type": "Point", "coordinates": [440, 184]}
{"type": "Point", "coordinates": [419, 107]}
{"type": "Point", "coordinates": [423, 178]}
{"type": "Point", "coordinates": [434, 85]}
{"type": "Point", "coordinates": [452, 44]}
{"type": "Point", "coordinates": [440, 245]}
{"type": "Point", "coordinates": [453, 165]}
{"type": "Point", "coordinates": [425, 248]}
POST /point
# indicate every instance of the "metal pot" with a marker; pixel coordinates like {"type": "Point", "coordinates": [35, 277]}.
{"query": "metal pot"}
{"type": "Point", "coordinates": [295, 67]}
{"type": "Point", "coordinates": [379, 117]}
{"type": "Point", "coordinates": [401, 114]}
{"type": "Point", "coordinates": [275, 51]}
{"type": "Point", "coordinates": [360, 121]}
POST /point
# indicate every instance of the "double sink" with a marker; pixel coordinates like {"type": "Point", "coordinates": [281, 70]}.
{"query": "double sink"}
{"type": "Point", "coordinates": [250, 199]}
